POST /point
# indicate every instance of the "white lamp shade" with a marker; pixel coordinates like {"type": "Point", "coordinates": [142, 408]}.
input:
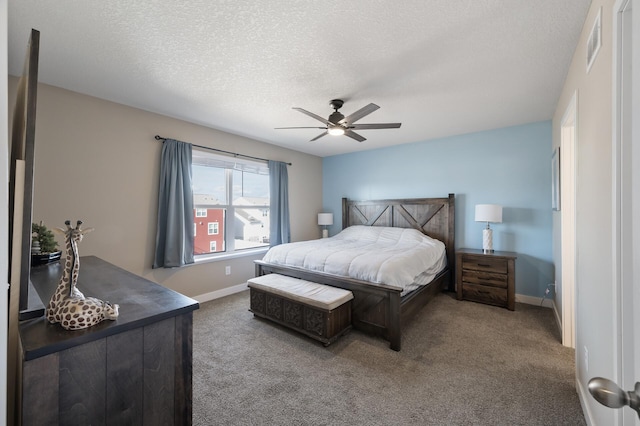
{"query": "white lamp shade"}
{"type": "Point", "coordinates": [325, 218]}
{"type": "Point", "coordinates": [489, 213]}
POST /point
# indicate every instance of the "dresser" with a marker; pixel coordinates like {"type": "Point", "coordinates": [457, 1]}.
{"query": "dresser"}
{"type": "Point", "coordinates": [486, 278]}
{"type": "Point", "coordinates": [135, 370]}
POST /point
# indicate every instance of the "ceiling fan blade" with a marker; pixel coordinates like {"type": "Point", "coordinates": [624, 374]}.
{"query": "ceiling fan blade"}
{"type": "Point", "coordinates": [299, 127]}
{"type": "Point", "coordinates": [375, 126]}
{"type": "Point", "coordinates": [359, 114]}
{"type": "Point", "coordinates": [310, 114]}
{"type": "Point", "coordinates": [318, 137]}
{"type": "Point", "coordinates": [354, 135]}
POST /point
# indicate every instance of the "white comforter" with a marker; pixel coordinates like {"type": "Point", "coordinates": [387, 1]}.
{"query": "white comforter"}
{"type": "Point", "coordinates": [400, 257]}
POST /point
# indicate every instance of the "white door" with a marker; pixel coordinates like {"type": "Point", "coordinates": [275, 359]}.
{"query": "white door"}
{"type": "Point", "coordinates": [626, 247]}
{"type": "Point", "coordinates": [568, 221]}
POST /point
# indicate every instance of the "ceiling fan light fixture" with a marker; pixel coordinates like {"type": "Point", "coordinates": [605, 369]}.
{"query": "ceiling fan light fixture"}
{"type": "Point", "coordinates": [336, 131]}
{"type": "Point", "coordinates": [338, 124]}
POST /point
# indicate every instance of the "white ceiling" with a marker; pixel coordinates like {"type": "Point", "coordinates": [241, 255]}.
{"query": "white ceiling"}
{"type": "Point", "coordinates": [441, 67]}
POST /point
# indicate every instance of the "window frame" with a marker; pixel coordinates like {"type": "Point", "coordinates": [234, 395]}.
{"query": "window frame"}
{"type": "Point", "coordinates": [230, 210]}
{"type": "Point", "coordinates": [213, 228]}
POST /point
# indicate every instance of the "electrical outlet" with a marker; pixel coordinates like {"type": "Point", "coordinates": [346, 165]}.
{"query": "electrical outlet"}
{"type": "Point", "coordinates": [586, 359]}
{"type": "Point", "coordinates": [551, 288]}
{"type": "Point", "coordinates": [227, 270]}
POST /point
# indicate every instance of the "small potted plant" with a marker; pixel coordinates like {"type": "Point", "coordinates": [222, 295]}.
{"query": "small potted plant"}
{"type": "Point", "coordinates": [44, 247]}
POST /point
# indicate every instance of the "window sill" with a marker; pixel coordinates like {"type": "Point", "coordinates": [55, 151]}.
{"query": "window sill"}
{"type": "Point", "coordinates": [206, 258]}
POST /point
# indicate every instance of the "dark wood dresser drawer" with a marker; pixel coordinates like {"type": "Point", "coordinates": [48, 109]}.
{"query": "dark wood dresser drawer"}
{"type": "Point", "coordinates": [484, 278]}
{"type": "Point", "coordinates": [485, 264]}
{"type": "Point", "coordinates": [484, 294]}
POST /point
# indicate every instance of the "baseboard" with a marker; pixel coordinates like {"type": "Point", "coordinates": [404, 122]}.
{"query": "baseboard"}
{"type": "Point", "coordinates": [520, 298]}
{"type": "Point", "coordinates": [532, 300]}
{"type": "Point", "coordinates": [583, 396]}
{"type": "Point", "coordinates": [221, 293]}
{"type": "Point", "coordinates": [558, 316]}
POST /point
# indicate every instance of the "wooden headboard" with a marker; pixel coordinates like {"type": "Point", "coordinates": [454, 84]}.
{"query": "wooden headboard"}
{"type": "Point", "coordinates": [434, 217]}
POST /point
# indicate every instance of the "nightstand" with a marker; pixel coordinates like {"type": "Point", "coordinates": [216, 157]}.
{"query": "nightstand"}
{"type": "Point", "coordinates": [486, 278]}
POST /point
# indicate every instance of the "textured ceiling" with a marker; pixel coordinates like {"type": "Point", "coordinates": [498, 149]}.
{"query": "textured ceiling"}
{"type": "Point", "coordinates": [441, 67]}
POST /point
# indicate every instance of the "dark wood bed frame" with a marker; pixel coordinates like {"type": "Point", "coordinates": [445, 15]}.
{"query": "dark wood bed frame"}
{"type": "Point", "coordinates": [378, 308]}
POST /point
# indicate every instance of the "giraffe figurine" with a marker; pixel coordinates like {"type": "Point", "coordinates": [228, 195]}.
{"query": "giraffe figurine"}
{"type": "Point", "coordinates": [68, 306]}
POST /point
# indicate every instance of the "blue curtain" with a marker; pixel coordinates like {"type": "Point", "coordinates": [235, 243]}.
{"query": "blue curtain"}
{"type": "Point", "coordinates": [279, 209]}
{"type": "Point", "coordinates": [174, 237]}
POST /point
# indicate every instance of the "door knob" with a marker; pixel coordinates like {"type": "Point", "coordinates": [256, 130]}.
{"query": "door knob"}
{"type": "Point", "coordinates": [608, 393]}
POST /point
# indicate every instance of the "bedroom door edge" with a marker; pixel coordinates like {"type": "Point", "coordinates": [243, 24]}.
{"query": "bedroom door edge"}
{"type": "Point", "coordinates": [568, 142]}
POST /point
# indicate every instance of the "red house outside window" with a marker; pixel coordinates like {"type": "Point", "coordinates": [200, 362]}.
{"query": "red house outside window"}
{"type": "Point", "coordinates": [214, 220]}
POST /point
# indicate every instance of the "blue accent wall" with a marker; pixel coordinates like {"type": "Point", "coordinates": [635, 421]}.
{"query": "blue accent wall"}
{"type": "Point", "coordinates": [509, 166]}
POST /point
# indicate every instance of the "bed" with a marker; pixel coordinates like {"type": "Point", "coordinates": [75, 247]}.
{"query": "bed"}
{"type": "Point", "coordinates": [378, 307]}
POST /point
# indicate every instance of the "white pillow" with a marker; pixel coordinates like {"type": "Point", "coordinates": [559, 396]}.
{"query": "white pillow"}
{"type": "Point", "coordinates": [381, 234]}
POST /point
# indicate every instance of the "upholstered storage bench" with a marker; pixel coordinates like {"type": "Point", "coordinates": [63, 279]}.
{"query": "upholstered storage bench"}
{"type": "Point", "coordinates": [318, 311]}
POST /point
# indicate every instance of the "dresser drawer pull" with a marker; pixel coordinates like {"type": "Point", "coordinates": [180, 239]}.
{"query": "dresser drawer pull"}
{"type": "Point", "coordinates": [484, 265]}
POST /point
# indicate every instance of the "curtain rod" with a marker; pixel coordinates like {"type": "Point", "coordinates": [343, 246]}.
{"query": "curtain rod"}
{"type": "Point", "coordinates": [235, 154]}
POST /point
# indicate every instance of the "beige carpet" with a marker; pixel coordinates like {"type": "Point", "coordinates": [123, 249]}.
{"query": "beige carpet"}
{"type": "Point", "coordinates": [461, 363]}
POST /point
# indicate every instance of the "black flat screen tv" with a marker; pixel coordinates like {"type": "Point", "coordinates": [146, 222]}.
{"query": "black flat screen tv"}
{"type": "Point", "coordinates": [22, 157]}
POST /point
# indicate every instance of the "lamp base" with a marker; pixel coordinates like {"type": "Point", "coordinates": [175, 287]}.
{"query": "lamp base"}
{"type": "Point", "coordinates": [325, 233]}
{"type": "Point", "coordinates": [487, 240]}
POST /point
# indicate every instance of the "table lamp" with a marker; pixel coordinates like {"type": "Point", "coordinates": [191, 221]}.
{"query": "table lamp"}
{"type": "Point", "coordinates": [324, 220]}
{"type": "Point", "coordinates": [490, 213]}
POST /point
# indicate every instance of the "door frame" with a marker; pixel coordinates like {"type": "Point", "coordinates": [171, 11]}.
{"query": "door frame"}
{"type": "Point", "coordinates": [625, 241]}
{"type": "Point", "coordinates": [568, 143]}
{"type": "Point", "coordinates": [4, 212]}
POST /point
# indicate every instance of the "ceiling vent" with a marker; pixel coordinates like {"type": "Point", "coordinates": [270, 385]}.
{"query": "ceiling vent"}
{"type": "Point", "coordinates": [594, 42]}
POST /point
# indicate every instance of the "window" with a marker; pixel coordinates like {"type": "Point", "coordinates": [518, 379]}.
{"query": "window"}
{"type": "Point", "coordinates": [233, 194]}
{"type": "Point", "coordinates": [213, 228]}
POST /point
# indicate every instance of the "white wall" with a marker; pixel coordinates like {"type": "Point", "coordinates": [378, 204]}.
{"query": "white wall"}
{"type": "Point", "coordinates": [508, 166]}
{"type": "Point", "coordinates": [98, 161]}
{"type": "Point", "coordinates": [595, 296]}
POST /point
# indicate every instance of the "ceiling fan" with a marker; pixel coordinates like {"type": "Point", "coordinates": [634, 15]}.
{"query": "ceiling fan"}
{"type": "Point", "coordinates": [337, 124]}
